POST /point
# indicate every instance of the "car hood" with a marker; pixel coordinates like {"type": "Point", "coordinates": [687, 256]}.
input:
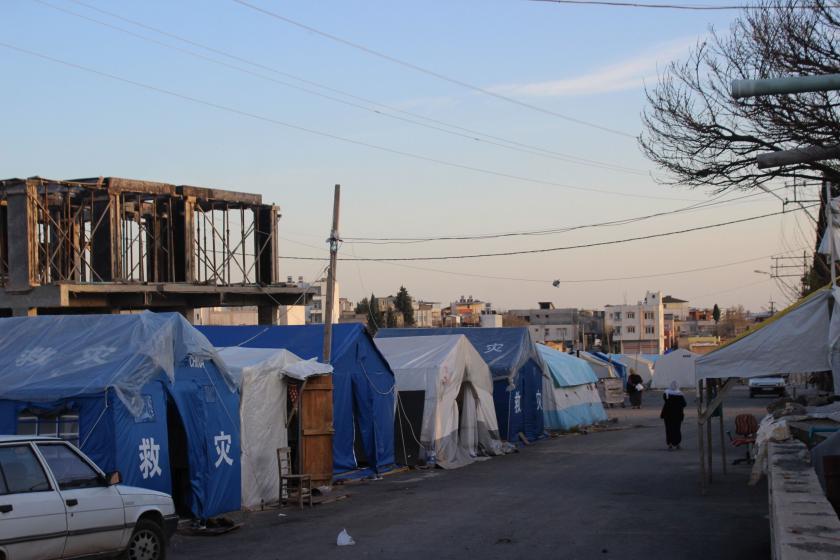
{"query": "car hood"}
{"type": "Point", "coordinates": [133, 492]}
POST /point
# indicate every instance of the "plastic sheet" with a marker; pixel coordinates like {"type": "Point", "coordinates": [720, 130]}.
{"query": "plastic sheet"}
{"type": "Point", "coordinates": [51, 357]}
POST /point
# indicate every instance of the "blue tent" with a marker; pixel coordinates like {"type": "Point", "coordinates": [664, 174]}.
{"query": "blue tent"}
{"type": "Point", "coordinates": [122, 387]}
{"type": "Point", "coordinates": [572, 399]}
{"type": "Point", "coordinates": [517, 374]}
{"type": "Point", "coordinates": [363, 385]}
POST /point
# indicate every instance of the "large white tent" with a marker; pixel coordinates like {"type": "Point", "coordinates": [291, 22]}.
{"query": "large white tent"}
{"type": "Point", "coordinates": [675, 366]}
{"type": "Point", "coordinates": [458, 415]}
{"type": "Point", "coordinates": [801, 339]}
{"type": "Point", "coordinates": [261, 375]}
{"type": "Point", "coordinates": [639, 364]}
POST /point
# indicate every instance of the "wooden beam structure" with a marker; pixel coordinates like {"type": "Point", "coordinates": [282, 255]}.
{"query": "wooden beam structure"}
{"type": "Point", "coordinates": [109, 242]}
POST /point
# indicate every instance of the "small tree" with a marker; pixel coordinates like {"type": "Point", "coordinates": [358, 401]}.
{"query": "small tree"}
{"type": "Point", "coordinates": [362, 307]}
{"type": "Point", "coordinates": [716, 317]}
{"type": "Point", "coordinates": [376, 318]}
{"type": "Point", "coordinates": [404, 304]}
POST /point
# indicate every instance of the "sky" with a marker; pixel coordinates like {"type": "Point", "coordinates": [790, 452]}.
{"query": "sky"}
{"type": "Point", "coordinates": [160, 107]}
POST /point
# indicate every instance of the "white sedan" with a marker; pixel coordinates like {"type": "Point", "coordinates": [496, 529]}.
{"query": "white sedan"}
{"type": "Point", "coordinates": [56, 503]}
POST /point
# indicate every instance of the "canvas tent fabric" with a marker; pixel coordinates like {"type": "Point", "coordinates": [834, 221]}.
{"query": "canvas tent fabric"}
{"type": "Point", "coordinates": [517, 371]}
{"type": "Point", "coordinates": [603, 369]}
{"type": "Point", "coordinates": [571, 395]}
{"type": "Point", "coordinates": [260, 374]}
{"type": "Point", "coordinates": [620, 368]}
{"type": "Point", "coordinates": [118, 375]}
{"type": "Point", "coordinates": [675, 366]}
{"type": "Point", "coordinates": [799, 339]}
{"type": "Point", "coordinates": [363, 386]}
{"type": "Point", "coordinates": [459, 416]}
{"type": "Point", "coordinates": [641, 365]}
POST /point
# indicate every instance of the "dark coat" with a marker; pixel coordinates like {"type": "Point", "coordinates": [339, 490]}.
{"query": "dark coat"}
{"type": "Point", "coordinates": [633, 380]}
{"type": "Point", "coordinates": [672, 410]}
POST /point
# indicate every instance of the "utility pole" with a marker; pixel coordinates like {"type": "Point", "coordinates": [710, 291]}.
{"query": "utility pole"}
{"type": "Point", "coordinates": [772, 307]}
{"type": "Point", "coordinates": [333, 241]}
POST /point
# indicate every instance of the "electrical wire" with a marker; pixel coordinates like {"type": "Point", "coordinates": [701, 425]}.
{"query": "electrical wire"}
{"type": "Point", "coordinates": [623, 221]}
{"type": "Point", "coordinates": [429, 72]}
{"type": "Point", "coordinates": [553, 249]}
{"type": "Point", "coordinates": [562, 281]}
{"type": "Point", "coordinates": [412, 118]}
{"type": "Point", "coordinates": [688, 7]}
{"type": "Point", "coordinates": [321, 133]}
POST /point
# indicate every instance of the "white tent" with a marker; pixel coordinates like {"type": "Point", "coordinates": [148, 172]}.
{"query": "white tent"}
{"type": "Point", "coordinates": [675, 366]}
{"type": "Point", "coordinates": [458, 414]}
{"type": "Point", "coordinates": [801, 339]}
{"type": "Point", "coordinates": [260, 374]}
{"type": "Point", "coordinates": [642, 366]}
{"type": "Point", "coordinates": [601, 368]}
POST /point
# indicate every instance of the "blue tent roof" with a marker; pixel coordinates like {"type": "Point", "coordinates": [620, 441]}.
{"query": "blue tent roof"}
{"type": "Point", "coordinates": [504, 349]}
{"type": "Point", "coordinates": [566, 370]}
{"type": "Point", "coordinates": [51, 357]}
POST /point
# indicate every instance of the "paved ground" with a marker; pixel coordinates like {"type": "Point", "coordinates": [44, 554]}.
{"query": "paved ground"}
{"type": "Point", "coordinates": [613, 494]}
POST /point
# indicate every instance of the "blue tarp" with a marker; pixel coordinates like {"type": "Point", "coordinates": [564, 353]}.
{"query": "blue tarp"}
{"type": "Point", "coordinates": [574, 400]}
{"type": "Point", "coordinates": [116, 372]}
{"type": "Point", "coordinates": [517, 374]}
{"type": "Point", "coordinates": [620, 369]}
{"type": "Point", "coordinates": [363, 385]}
{"type": "Point", "coordinates": [566, 370]}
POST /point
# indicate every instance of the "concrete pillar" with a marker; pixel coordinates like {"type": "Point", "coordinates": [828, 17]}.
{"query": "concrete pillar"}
{"type": "Point", "coordinates": [184, 239]}
{"type": "Point", "coordinates": [23, 246]}
{"type": "Point", "coordinates": [266, 244]}
{"type": "Point", "coordinates": [268, 314]}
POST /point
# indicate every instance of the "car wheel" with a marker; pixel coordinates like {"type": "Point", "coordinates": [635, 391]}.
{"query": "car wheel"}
{"type": "Point", "coordinates": [147, 542]}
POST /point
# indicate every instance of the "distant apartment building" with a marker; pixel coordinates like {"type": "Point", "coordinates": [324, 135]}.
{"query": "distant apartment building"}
{"type": "Point", "coordinates": [548, 324]}
{"type": "Point", "coordinates": [676, 310]}
{"type": "Point", "coordinates": [466, 312]}
{"type": "Point", "coordinates": [637, 328]}
{"type": "Point", "coordinates": [316, 313]}
{"type": "Point", "coordinates": [427, 314]}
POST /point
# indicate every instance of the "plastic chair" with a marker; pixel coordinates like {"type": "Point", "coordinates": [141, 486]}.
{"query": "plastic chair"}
{"type": "Point", "coordinates": [746, 428]}
{"type": "Point", "coordinates": [289, 481]}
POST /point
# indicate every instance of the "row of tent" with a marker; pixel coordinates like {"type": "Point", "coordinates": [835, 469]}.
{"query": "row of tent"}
{"type": "Point", "coordinates": [198, 412]}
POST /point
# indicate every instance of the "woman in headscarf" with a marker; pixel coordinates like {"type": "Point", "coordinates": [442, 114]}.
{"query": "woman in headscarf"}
{"type": "Point", "coordinates": [672, 414]}
{"type": "Point", "coordinates": [635, 388]}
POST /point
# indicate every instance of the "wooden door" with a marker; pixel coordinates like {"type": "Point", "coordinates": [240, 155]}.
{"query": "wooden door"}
{"type": "Point", "coordinates": [316, 426]}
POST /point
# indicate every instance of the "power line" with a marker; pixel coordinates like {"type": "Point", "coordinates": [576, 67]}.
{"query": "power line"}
{"type": "Point", "coordinates": [551, 231]}
{"type": "Point", "coordinates": [556, 249]}
{"type": "Point", "coordinates": [429, 72]}
{"type": "Point", "coordinates": [689, 7]}
{"type": "Point", "coordinates": [412, 118]}
{"type": "Point", "coordinates": [321, 133]}
{"type": "Point", "coordinates": [562, 281]}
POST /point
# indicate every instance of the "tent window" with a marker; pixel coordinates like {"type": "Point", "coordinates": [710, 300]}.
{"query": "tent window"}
{"type": "Point", "coordinates": [64, 425]}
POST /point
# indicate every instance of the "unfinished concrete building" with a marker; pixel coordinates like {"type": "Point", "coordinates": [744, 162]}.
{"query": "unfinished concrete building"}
{"type": "Point", "coordinates": [108, 244]}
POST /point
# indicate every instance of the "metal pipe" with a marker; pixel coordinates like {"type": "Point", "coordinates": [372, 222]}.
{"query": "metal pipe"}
{"type": "Point", "coordinates": [783, 86]}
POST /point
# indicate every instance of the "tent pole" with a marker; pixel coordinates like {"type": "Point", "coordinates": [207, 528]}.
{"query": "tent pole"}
{"type": "Point", "coordinates": [700, 437]}
{"type": "Point", "coordinates": [709, 441]}
{"type": "Point", "coordinates": [722, 443]}
{"type": "Point", "coordinates": [829, 228]}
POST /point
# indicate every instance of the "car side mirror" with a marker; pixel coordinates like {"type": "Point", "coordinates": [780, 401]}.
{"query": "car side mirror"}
{"type": "Point", "coordinates": [114, 478]}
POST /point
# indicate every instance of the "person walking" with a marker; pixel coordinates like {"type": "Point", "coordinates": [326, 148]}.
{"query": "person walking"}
{"type": "Point", "coordinates": [634, 389]}
{"type": "Point", "coordinates": [673, 415]}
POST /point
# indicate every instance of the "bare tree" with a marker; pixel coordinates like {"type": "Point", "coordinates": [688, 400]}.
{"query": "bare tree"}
{"type": "Point", "coordinates": [702, 137]}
